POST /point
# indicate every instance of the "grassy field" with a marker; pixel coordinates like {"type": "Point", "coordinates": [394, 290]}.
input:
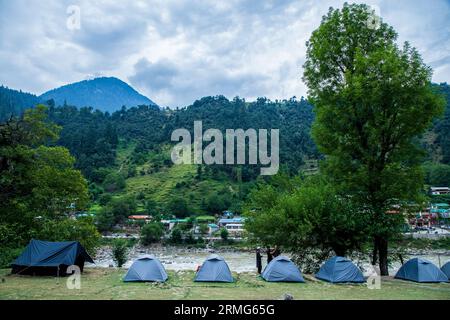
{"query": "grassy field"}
{"type": "Point", "coordinates": [107, 284]}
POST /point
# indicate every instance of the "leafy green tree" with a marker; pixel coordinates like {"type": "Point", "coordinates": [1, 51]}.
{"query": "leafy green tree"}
{"type": "Point", "coordinates": [122, 207]}
{"type": "Point", "coordinates": [151, 233]}
{"type": "Point", "coordinates": [38, 182]}
{"type": "Point", "coordinates": [371, 99]}
{"type": "Point", "coordinates": [437, 174]}
{"type": "Point", "coordinates": [203, 228]}
{"type": "Point", "coordinates": [178, 207]}
{"type": "Point", "coordinates": [307, 218]}
{"type": "Point", "coordinates": [82, 230]}
{"type": "Point", "coordinates": [104, 199]}
{"type": "Point", "coordinates": [114, 181]}
{"type": "Point", "coordinates": [176, 236]}
{"type": "Point", "coordinates": [104, 219]}
{"type": "Point", "coordinates": [224, 234]}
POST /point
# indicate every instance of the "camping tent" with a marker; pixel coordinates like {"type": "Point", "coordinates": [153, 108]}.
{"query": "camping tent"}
{"type": "Point", "coordinates": [420, 270]}
{"type": "Point", "coordinates": [446, 269]}
{"type": "Point", "coordinates": [50, 258]}
{"type": "Point", "coordinates": [214, 269]}
{"type": "Point", "coordinates": [339, 269]}
{"type": "Point", "coordinates": [146, 268]}
{"type": "Point", "coordinates": [282, 269]}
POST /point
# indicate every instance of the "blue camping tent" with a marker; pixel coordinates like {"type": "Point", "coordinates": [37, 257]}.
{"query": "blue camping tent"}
{"type": "Point", "coordinates": [446, 269]}
{"type": "Point", "coordinates": [146, 268]}
{"type": "Point", "coordinates": [420, 270]}
{"type": "Point", "coordinates": [282, 269]}
{"type": "Point", "coordinates": [50, 258]}
{"type": "Point", "coordinates": [339, 269]}
{"type": "Point", "coordinates": [214, 269]}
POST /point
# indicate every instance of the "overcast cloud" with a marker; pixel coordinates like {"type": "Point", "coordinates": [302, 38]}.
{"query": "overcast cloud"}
{"type": "Point", "coordinates": [178, 51]}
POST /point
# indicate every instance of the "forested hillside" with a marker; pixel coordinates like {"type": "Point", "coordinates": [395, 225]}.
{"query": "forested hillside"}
{"type": "Point", "coordinates": [127, 152]}
{"type": "Point", "coordinates": [13, 102]}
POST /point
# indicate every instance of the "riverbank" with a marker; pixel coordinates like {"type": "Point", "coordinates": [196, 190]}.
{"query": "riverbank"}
{"type": "Point", "coordinates": [240, 260]}
{"type": "Point", "coordinates": [107, 284]}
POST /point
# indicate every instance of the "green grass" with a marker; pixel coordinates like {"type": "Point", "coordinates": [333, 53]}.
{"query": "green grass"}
{"type": "Point", "coordinates": [107, 284]}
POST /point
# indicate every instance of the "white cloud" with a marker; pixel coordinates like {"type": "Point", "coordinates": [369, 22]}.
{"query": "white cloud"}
{"type": "Point", "coordinates": [178, 51]}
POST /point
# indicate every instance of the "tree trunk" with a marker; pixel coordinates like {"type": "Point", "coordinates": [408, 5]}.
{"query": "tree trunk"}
{"type": "Point", "coordinates": [375, 252]}
{"type": "Point", "coordinates": [383, 255]}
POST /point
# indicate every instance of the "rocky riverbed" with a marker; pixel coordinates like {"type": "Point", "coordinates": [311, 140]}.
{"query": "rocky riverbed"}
{"type": "Point", "coordinates": [179, 258]}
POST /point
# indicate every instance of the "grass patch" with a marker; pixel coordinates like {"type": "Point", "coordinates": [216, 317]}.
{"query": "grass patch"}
{"type": "Point", "coordinates": [98, 283]}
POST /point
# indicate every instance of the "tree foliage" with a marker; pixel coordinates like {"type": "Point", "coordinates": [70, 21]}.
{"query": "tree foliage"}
{"type": "Point", "coordinates": [372, 99]}
{"type": "Point", "coordinates": [307, 217]}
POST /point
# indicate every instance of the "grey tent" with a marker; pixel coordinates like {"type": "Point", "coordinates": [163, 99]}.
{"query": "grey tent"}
{"type": "Point", "coordinates": [421, 270]}
{"type": "Point", "coordinates": [146, 268]}
{"type": "Point", "coordinates": [340, 269]}
{"type": "Point", "coordinates": [282, 269]}
{"type": "Point", "coordinates": [50, 258]}
{"type": "Point", "coordinates": [446, 269]}
{"type": "Point", "coordinates": [214, 269]}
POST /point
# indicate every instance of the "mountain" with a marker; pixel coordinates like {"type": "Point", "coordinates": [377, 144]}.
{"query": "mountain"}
{"type": "Point", "coordinates": [105, 93]}
{"type": "Point", "coordinates": [14, 102]}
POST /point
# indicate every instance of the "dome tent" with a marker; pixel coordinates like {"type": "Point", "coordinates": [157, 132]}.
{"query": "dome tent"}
{"type": "Point", "coordinates": [214, 269]}
{"type": "Point", "coordinates": [339, 269]}
{"type": "Point", "coordinates": [50, 258]}
{"type": "Point", "coordinates": [282, 269]}
{"type": "Point", "coordinates": [146, 268]}
{"type": "Point", "coordinates": [420, 270]}
{"type": "Point", "coordinates": [446, 269]}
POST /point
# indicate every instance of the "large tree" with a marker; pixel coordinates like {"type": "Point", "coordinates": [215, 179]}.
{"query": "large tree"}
{"type": "Point", "coordinates": [372, 99]}
{"type": "Point", "coordinates": [306, 217]}
{"type": "Point", "coordinates": [38, 184]}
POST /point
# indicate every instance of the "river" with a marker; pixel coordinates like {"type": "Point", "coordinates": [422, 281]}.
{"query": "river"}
{"type": "Point", "coordinates": [178, 259]}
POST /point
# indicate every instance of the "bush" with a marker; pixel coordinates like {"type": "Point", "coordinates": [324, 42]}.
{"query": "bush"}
{"type": "Point", "coordinates": [176, 236]}
{"type": "Point", "coordinates": [224, 234]}
{"type": "Point", "coordinates": [437, 174]}
{"type": "Point", "coordinates": [119, 251]}
{"type": "Point", "coordinates": [104, 199]}
{"type": "Point", "coordinates": [151, 233]}
{"type": "Point", "coordinates": [104, 220]}
{"type": "Point", "coordinates": [7, 255]}
{"type": "Point", "coordinates": [114, 182]}
{"type": "Point", "coordinates": [203, 228]}
{"type": "Point", "coordinates": [178, 207]}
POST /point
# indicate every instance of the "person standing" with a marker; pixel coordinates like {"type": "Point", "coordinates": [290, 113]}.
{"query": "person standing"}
{"type": "Point", "coordinates": [269, 255]}
{"type": "Point", "coordinates": [276, 252]}
{"type": "Point", "coordinates": [258, 260]}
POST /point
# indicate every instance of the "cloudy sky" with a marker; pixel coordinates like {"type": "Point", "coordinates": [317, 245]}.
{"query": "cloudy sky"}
{"type": "Point", "coordinates": [177, 51]}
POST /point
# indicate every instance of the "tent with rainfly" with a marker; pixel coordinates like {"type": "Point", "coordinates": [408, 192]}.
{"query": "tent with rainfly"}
{"type": "Point", "coordinates": [282, 269]}
{"type": "Point", "coordinates": [340, 269]}
{"type": "Point", "coordinates": [446, 269]}
{"type": "Point", "coordinates": [214, 269]}
{"type": "Point", "coordinates": [50, 258]}
{"type": "Point", "coordinates": [146, 268]}
{"type": "Point", "coordinates": [420, 270]}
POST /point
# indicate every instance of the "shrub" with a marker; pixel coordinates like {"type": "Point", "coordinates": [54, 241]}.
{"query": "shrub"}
{"type": "Point", "coordinates": [176, 236]}
{"type": "Point", "coordinates": [7, 255]}
{"type": "Point", "coordinates": [224, 234]}
{"type": "Point", "coordinates": [151, 233]}
{"type": "Point", "coordinates": [104, 199]}
{"type": "Point", "coordinates": [119, 251]}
